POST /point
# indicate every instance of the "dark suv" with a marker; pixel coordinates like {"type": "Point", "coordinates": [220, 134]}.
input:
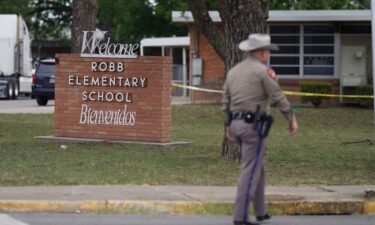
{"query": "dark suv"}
{"type": "Point", "coordinates": [43, 87]}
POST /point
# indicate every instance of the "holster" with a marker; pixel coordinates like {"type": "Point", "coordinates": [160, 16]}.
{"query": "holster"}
{"type": "Point", "coordinates": [264, 126]}
{"type": "Point", "coordinates": [262, 123]}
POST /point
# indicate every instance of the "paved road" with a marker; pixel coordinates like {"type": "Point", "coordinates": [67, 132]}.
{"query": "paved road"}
{"type": "Point", "coordinates": [93, 219]}
{"type": "Point", "coordinates": [25, 105]}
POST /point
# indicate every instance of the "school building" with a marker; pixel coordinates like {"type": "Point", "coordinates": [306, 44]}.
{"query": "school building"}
{"type": "Point", "coordinates": [315, 45]}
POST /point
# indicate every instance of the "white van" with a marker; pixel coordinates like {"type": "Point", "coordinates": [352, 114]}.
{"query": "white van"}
{"type": "Point", "coordinates": [15, 57]}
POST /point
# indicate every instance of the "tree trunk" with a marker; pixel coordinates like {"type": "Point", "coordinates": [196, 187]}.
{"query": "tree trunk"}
{"type": "Point", "coordinates": [84, 19]}
{"type": "Point", "coordinates": [239, 19]}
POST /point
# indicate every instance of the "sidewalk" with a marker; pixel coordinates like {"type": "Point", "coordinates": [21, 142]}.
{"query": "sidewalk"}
{"type": "Point", "coordinates": [182, 199]}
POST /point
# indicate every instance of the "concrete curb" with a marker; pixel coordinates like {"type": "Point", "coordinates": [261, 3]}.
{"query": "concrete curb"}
{"type": "Point", "coordinates": [183, 207]}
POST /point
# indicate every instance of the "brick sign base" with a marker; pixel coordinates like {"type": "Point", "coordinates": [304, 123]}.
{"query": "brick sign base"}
{"type": "Point", "coordinates": [113, 99]}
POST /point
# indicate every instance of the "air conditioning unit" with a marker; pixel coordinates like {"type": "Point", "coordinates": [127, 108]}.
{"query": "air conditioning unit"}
{"type": "Point", "coordinates": [353, 68]}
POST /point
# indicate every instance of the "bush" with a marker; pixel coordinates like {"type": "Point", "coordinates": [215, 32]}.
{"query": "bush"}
{"type": "Point", "coordinates": [365, 90]}
{"type": "Point", "coordinates": [315, 87]}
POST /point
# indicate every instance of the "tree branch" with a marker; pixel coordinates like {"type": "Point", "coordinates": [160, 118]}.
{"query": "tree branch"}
{"type": "Point", "coordinates": [205, 25]}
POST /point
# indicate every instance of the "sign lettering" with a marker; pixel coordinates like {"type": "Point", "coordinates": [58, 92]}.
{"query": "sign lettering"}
{"type": "Point", "coordinates": [122, 116]}
{"type": "Point", "coordinates": [95, 45]}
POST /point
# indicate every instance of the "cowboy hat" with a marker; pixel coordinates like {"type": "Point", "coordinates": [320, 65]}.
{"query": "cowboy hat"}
{"type": "Point", "coordinates": [256, 42]}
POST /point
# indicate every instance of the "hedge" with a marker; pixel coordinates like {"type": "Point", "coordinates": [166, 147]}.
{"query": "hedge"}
{"type": "Point", "coordinates": [315, 87]}
{"type": "Point", "coordinates": [365, 90]}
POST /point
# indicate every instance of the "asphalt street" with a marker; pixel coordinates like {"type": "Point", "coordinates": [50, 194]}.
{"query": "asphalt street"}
{"type": "Point", "coordinates": [95, 219]}
{"type": "Point", "coordinates": [25, 105]}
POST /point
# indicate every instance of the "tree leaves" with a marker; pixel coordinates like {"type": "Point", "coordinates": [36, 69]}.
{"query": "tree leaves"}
{"type": "Point", "coordinates": [132, 20]}
{"type": "Point", "coordinates": [49, 19]}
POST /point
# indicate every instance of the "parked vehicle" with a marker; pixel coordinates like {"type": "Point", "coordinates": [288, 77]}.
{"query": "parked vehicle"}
{"type": "Point", "coordinates": [15, 57]}
{"type": "Point", "coordinates": [43, 81]}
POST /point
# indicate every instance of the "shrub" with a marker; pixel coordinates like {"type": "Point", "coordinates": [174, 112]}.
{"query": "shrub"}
{"type": "Point", "coordinates": [365, 90]}
{"type": "Point", "coordinates": [315, 87]}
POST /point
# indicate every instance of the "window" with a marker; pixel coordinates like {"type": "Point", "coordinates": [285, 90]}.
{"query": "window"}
{"type": "Point", "coordinates": [319, 50]}
{"type": "Point", "coordinates": [48, 68]}
{"type": "Point", "coordinates": [280, 70]}
{"type": "Point", "coordinates": [318, 70]}
{"type": "Point", "coordinates": [152, 51]}
{"type": "Point", "coordinates": [285, 39]}
{"type": "Point", "coordinates": [356, 29]}
{"type": "Point", "coordinates": [318, 60]}
{"type": "Point", "coordinates": [286, 60]}
{"type": "Point", "coordinates": [280, 60]}
{"type": "Point", "coordinates": [318, 40]}
{"type": "Point", "coordinates": [281, 29]}
{"type": "Point", "coordinates": [306, 50]}
{"type": "Point", "coordinates": [318, 29]}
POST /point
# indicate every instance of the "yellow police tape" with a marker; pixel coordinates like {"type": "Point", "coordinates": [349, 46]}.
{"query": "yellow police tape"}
{"type": "Point", "coordinates": [285, 92]}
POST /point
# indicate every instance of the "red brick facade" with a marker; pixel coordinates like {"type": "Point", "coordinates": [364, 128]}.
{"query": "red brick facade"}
{"type": "Point", "coordinates": [213, 72]}
{"type": "Point", "coordinates": [213, 67]}
{"type": "Point", "coordinates": [143, 115]}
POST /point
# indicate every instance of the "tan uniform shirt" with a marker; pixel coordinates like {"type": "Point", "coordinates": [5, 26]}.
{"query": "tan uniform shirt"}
{"type": "Point", "coordinates": [248, 85]}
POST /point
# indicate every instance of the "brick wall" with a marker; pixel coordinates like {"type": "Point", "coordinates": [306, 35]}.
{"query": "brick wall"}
{"type": "Point", "coordinates": [150, 106]}
{"type": "Point", "coordinates": [213, 67]}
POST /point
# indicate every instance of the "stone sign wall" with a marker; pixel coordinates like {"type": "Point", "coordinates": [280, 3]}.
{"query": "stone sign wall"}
{"type": "Point", "coordinates": [113, 99]}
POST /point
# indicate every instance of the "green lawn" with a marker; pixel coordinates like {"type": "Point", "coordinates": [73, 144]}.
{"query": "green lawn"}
{"type": "Point", "coordinates": [314, 156]}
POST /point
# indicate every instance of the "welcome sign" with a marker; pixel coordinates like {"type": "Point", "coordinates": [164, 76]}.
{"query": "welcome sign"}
{"type": "Point", "coordinates": [94, 45]}
{"type": "Point", "coordinates": [108, 93]}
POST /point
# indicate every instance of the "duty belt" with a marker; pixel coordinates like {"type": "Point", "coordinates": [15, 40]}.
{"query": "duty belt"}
{"type": "Point", "coordinates": [248, 116]}
{"type": "Point", "coordinates": [260, 122]}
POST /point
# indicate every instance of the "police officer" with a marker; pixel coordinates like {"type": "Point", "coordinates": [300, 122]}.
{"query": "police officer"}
{"type": "Point", "coordinates": [249, 89]}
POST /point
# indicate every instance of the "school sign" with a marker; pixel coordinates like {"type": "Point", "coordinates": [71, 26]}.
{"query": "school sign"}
{"type": "Point", "coordinates": [109, 93]}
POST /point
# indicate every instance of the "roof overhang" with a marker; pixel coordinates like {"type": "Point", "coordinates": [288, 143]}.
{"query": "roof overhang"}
{"type": "Point", "coordinates": [168, 41]}
{"type": "Point", "coordinates": [291, 16]}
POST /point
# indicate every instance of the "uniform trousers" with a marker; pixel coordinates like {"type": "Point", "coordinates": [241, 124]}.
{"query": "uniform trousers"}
{"type": "Point", "coordinates": [251, 181]}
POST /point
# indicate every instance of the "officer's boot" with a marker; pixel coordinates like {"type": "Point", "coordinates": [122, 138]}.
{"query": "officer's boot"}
{"type": "Point", "coordinates": [267, 216]}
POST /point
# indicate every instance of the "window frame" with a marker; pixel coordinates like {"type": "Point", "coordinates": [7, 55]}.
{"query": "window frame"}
{"type": "Point", "coordinates": [336, 51]}
{"type": "Point", "coordinates": [314, 54]}
{"type": "Point", "coordinates": [288, 54]}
